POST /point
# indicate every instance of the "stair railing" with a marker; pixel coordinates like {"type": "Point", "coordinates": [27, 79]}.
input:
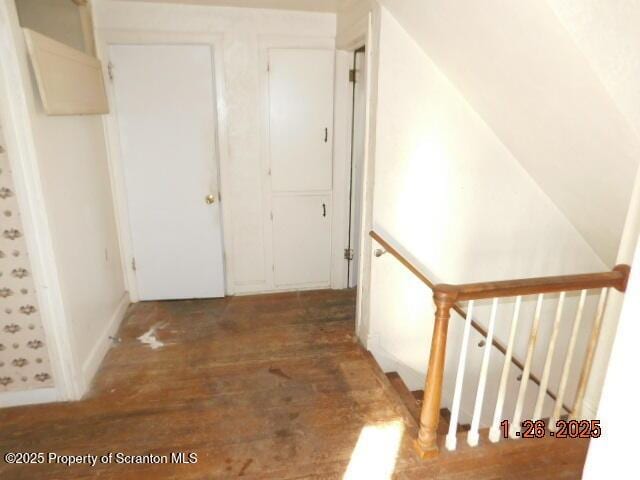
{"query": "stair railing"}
{"type": "Point", "coordinates": [447, 297]}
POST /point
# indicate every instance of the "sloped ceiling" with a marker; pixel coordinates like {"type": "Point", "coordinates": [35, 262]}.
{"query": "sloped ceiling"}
{"type": "Point", "coordinates": [522, 71]}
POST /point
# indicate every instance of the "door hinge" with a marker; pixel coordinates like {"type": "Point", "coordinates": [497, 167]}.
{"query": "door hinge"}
{"type": "Point", "coordinates": [348, 254]}
{"type": "Point", "coordinates": [272, 216]}
{"type": "Point", "coordinates": [110, 70]}
{"type": "Point", "coordinates": [352, 75]}
{"type": "Point", "coordinates": [133, 264]}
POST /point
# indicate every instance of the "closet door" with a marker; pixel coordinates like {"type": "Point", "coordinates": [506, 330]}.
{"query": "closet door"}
{"type": "Point", "coordinates": [301, 239]}
{"type": "Point", "coordinates": [167, 120]}
{"type": "Point", "coordinates": [301, 160]}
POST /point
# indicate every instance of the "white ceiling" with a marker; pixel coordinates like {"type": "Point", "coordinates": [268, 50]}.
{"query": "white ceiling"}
{"type": "Point", "coordinates": [306, 5]}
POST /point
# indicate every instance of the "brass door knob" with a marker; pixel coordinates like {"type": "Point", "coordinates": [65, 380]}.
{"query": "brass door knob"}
{"type": "Point", "coordinates": [209, 199]}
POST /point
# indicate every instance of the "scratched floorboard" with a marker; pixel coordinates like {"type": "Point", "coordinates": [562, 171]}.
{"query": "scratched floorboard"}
{"type": "Point", "coordinates": [271, 386]}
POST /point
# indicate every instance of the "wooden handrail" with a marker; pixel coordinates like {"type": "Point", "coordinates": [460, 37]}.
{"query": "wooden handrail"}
{"type": "Point", "coordinates": [446, 297]}
{"type": "Point", "coordinates": [458, 309]}
{"type": "Point", "coordinates": [402, 259]}
{"type": "Point", "coordinates": [617, 278]}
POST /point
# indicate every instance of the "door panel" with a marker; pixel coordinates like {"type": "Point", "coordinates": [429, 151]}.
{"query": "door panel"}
{"type": "Point", "coordinates": [301, 119]}
{"type": "Point", "coordinates": [302, 239]}
{"type": "Point", "coordinates": [357, 163]}
{"type": "Point", "coordinates": [167, 122]}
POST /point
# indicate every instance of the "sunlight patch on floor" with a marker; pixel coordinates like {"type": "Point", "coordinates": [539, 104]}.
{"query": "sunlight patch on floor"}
{"type": "Point", "coordinates": [376, 452]}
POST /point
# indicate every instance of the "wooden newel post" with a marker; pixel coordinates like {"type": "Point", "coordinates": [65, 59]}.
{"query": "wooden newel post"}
{"type": "Point", "coordinates": [426, 444]}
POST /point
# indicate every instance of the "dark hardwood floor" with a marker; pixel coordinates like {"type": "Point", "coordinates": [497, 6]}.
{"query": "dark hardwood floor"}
{"type": "Point", "coordinates": [271, 386]}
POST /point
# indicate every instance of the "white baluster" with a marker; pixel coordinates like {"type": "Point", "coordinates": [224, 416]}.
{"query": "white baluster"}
{"type": "Point", "coordinates": [450, 442]}
{"type": "Point", "coordinates": [544, 381]}
{"type": "Point", "coordinates": [533, 336]}
{"type": "Point", "coordinates": [494, 431]}
{"type": "Point", "coordinates": [588, 362]}
{"type": "Point", "coordinates": [567, 363]}
{"type": "Point", "coordinates": [472, 436]}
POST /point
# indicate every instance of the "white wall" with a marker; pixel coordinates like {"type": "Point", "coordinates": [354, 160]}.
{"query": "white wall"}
{"type": "Point", "coordinates": [72, 168]}
{"type": "Point", "coordinates": [247, 33]}
{"type": "Point", "coordinates": [616, 449]}
{"type": "Point", "coordinates": [451, 195]}
{"type": "Point", "coordinates": [522, 71]}
{"type": "Point", "coordinates": [607, 35]}
{"type": "Point", "coordinates": [77, 192]}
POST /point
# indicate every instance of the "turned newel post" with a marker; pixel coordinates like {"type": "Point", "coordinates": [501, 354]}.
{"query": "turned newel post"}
{"type": "Point", "coordinates": [426, 443]}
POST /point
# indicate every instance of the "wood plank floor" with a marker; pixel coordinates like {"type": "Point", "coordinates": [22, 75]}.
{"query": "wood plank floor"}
{"type": "Point", "coordinates": [271, 386]}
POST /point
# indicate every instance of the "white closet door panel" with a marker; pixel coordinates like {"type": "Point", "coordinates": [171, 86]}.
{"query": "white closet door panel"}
{"type": "Point", "coordinates": [167, 122]}
{"type": "Point", "coordinates": [357, 162]}
{"type": "Point", "coordinates": [301, 239]}
{"type": "Point", "coordinates": [301, 119]}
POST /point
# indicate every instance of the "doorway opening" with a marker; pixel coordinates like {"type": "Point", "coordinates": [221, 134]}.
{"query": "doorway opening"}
{"type": "Point", "coordinates": [357, 77]}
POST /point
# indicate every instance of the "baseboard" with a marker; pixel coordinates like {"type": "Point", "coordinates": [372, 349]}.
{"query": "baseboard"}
{"type": "Point", "coordinates": [29, 397]}
{"type": "Point", "coordinates": [413, 379]}
{"type": "Point", "coordinates": [389, 363]}
{"type": "Point", "coordinates": [100, 349]}
{"type": "Point", "coordinates": [246, 290]}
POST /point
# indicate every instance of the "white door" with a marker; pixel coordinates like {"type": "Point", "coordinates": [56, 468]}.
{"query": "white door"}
{"type": "Point", "coordinates": [166, 116]}
{"type": "Point", "coordinates": [357, 162]}
{"type": "Point", "coordinates": [301, 161]}
{"type": "Point", "coordinates": [301, 119]}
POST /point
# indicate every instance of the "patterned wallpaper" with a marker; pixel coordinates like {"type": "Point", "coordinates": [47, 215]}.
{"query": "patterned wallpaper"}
{"type": "Point", "coordinates": [24, 359]}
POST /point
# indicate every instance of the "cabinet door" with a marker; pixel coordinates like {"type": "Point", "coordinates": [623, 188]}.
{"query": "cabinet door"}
{"type": "Point", "coordinates": [302, 240]}
{"type": "Point", "coordinates": [300, 119]}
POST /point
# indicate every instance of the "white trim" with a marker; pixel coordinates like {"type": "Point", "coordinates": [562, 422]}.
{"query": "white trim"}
{"type": "Point", "coordinates": [387, 362]}
{"type": "Point", "coordinates": [28, 397]}
{"type": "Point", "coordinates": [215, 41]}
{"type": "Point", "coordinates": [103, 343]}
{"type": "Point", "coordinates": [26, 175]}
{"type": "Point", "coordinates": [363, 301]}
{"type": "Point", "coordinates": [343, 120]}
{"type": "Point", "coordinates": [243, 291]}
{"type": "Point", "coordinates": [413, 379]}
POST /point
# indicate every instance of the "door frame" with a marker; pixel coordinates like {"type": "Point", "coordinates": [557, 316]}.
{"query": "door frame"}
{"type": "Point", "coordinates": [365, 32]}
{"type": "Point", "coordinates": [357, 37]}
{"type": "Point", "coordinates": [215, 41]}
{"type": "Point", "coordinates": [354, 224]}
